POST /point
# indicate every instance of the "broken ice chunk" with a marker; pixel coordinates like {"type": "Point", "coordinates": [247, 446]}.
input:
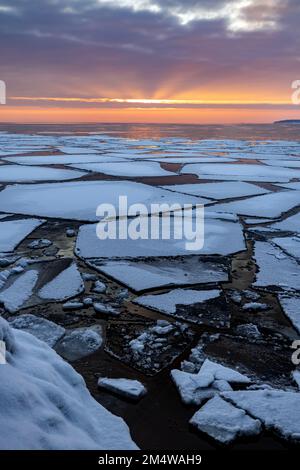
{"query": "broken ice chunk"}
{"type": "Point", "coordinates": [127, 388]}
{"type": "Point", "coordinates": [224, 422]}
{"type": "Point", "coordinates": [277, 409]}
{"type": "Point", "coordinates": [66, 284]}
{"type": "Point", "coordinates": [80, 342]}
{"type": "Point", "coordinates": [223, 373]}
{"type": "Point", "coordinates": [16, 295]}
{"type": "Point", "coordinates": [41, 328]}
{"type": "Point", "coordinates": [12, 232]}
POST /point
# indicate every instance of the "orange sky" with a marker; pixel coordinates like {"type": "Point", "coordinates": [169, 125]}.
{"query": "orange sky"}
{"type": "Point", "coordinates": [173, 115]}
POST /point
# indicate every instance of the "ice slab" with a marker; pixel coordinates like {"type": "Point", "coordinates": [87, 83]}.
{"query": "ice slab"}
{"type": "Point", "coordinates": [200, 307]}
{"type": "Point", "coordinates": [275, 269]}
{"type": "Point", "coordinates": [67, 284]}
{"type": "Point", "coordinates": [41, 328]}
{"type": "Point", "coordinates": [291, 224]}
{"type": "Point", "coordinates": [144, 275]}
{"type": "Point", "coordinates": [221, 372]}
{"type": "Point", "coordinates": [186, 158]}
{"type": "Point", "coordinates": [284, 163]}
{"type": "Point", "coordinates": [224, 422]}
{"type": "Point", "coordinates": [20, 174]}
{"type": "Point", "coordinates": [269, 205]}
{"type": "Point", "coordinates": [289, 244]}
{"type": "Point", "coordinates": [127, 388]}
{"type": "Point", "coordinates": [278, 410]}
{"type": "Point", "coordinates": [130, 169]}
{"type": "Point", "coordinates": [13, 232]}
{"type": "Point", "coordinates": [79, 200]}
{"type": "Point", "coordinates": [80, 342]}
{"type": "Point", "coordinates": [17, 294]}
{"type": "Point", "coordinates": [290, 304]}
{"type": "Point", "coordinates": [218, 191]}
{"type": "Point", "coordinates": [240, 172]}
{"type": "Point", "coordinates": [222, 236]}
{"type": "Point", "coordinates": [61, 159]}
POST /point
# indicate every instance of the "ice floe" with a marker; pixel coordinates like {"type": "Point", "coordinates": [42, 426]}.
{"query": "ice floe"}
{"type": "Point", "coordinates": [127, 388]}
{"type": "Point", "coordinates": [226, 190]}
{"type": "Point", "coordinates": [277, 409]}
{"type": "Point", "coordinates": [223, 235]}
{"type": "Point", "coordinates": [13, 232]}
{"type": "Point", "coordinates": [46, 405]}
{"type": "Point", "coordinates": [210, 380]}
{"type": "Point", "coordinates": [269, 205]}
{"type": "Point", "coordinates": [162, 272]}
{"type": "Point", "coordinates": [19, 292]}
{"type": "Point", "coordinates": [79, 200]}
{"type": "Point", "coordinates": [289, 244]}
{"type": "Point", "coordinates": [130, 169]}
{"type": "Point", "coordinates": [291, 224]}
{"type": "Point", "coordinates": [41, 328]}
{"type": "Point", "coordinates": [224, 422]}
{"type": "Point", "coordinates": [20, 174]}
{"type": "Point", "coordinates": [62, 159]}
{"type": "Point", "coordinates": [240, 172]}
{"type": "Point", "coordinates": [80, 342]}
{"type": "Point", "coordinates": [66, 284]}
{"type": "Point", "coordinates": [196, 306]}
{"type": "Point", "coordinates": [275, 268]}
{"type": "Point", "coordinates": [290, 304]}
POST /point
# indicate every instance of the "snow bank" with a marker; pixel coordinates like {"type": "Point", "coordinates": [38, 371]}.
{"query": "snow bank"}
{"type": "Point", "coordinates": [46, 405]}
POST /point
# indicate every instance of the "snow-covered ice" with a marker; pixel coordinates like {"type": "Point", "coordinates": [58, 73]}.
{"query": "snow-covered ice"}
{"type": "Point", "coordinates": [269, 205]}
{"type": "Point", "coordinates": [79, 200]}
{"type": "Point", "coordinates": [20, 174]}
{"type": "Point", "coordinates": [46, 405]}
{"type": "Point", "coordinates": [211, 379]}
{"type": "Point", "coordinates": [168, 302]}
{"type": "Point", "coordinates": [291, 224]}
{"type": "Point", "coordinates": [223, 235]}
{"type": "Point", "coordinates": [221, 372]}
{"type": "Point", "coordinates": [16, 295]}
{"type": "Point", "coordinates": [289, 244]}
{"type": "Point", "coordinates": [224, 422]}
{"type": "Point", "coordinates": [275, 268]}
{"type": "Point", "coordinates": [240, 172]}
{"type": "Point", "coordinates": [80, 342]}
{"type": "Point", "coordinates": [127, 388]}
{"type": "Point", "coordinates": [162, 272]}
{"type": "Point", "coordinates": [41, 328]}
{"type": "Point", "coordinates": [226, 190]}
{"type": "Point", "coordinates": [66, 284]}
{"type": "Point", "coordinates": [196, 306]}
{"type": "Point", "coordinates": [277, 409]}
{"type": "Point", "coordinates": [62, 159]}
{"type": "Point", "coordinates": [13, 232]}
{"type": "Point", "coordinates": [290, 304]}
{"type": "Point", "coordinates": [131, 169]}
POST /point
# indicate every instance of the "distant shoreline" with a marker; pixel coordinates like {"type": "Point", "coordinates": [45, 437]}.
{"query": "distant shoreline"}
{"type": "Point", "coordinates": [288, 121]}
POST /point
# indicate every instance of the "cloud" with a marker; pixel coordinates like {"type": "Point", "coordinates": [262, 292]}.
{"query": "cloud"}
{"type": "Point", "coordinates": [239, 15]}
{"type": "Point", "coordinates": [160, 49]}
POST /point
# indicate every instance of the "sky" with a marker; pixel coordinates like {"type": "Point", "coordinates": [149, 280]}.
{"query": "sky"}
{"type": "Point", "coordinates": [163, 61]}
